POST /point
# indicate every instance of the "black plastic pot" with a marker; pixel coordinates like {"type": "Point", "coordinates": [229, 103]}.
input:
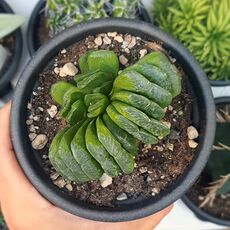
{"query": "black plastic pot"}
{"type": "Point", "coordinates": [203, 117]}
{"type": "Point", "coordinates": [220, 83]}
{"type": "Point", "coordinates": [10, 68]}
{"type": "Point", "coordinates": [32, 39]}
{"type": "Point", "coordinates": [201, 214]}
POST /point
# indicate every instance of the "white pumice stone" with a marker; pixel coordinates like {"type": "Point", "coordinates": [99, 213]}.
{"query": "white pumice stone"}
{"type": "Point", "coordinates": [106, 180]}
{"type": "Point", "coordinates": [192, 132]}
{"type": "Point", "coordinates": [40, 141]}
{"type": "Point", "coordinates": [122, 196]}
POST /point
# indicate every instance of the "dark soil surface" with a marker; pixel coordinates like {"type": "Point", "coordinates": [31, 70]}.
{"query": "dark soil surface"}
{"type": "Point", "coordinates": [157, 166]}
{"type": "Point", "coordinates": [197, 194]}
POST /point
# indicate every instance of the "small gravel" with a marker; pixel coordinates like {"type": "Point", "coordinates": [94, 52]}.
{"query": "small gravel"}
{"type": "Point", "coordinates": [122, 196]}
{"type": "Point", "coordinates": [106, 180]}
{"type": "Point", "coordinates": [192, 144]}
{"type": "Point", "coordinates": [98, 41]}
{"type": "Point", "coordinates": [69, 69]}
{"type": "Point", "coordinates": [192, 132]}
{"type": "Point", "coordinates": [123, 60]}
{"type": "Point", "coordinates": [40, 141]}
{"type": "Point", "coordinates": [52, 111]}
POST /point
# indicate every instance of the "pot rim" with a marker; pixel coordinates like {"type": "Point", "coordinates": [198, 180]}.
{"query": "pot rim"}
{"type": "Point", "coordinates": [219, 83]}
{"type": "Point", "coordinates": [34, 17]}
{"type": "Point", "coordinates": [200, 213]}
{"type": "Point", "coordinates": [20, 144]}
{"type": "Point", "coordinates": [10, 72]}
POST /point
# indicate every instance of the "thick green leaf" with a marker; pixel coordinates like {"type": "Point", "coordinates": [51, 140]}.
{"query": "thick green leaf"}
{"type": "Point", "coordinates": [153, 74]}
{"type": "Point", "coordinates": [9, 23]}
{"type": "Point", "coordinates": [88, 164]}
{"type": "Point", "coordinates": [159, 60]}
{"type": "Point", "coordinates": [140, 102]}
{"type": "Point", "coordinates": [121, 156]}
{"type": "Point", "coordinates": [59, 89]}
{"type": "Point", "coordinates": [104, 60]}
{"type": "Point", "coordinates": [127, 141]}
{"type": "Point", "coordinates": [135, 82]}
{"type": "Point", "coordinates": [93, 81]}
{"type": "Point", "coordinates": [56, 160]}
{"type": "Point", "coordinates": [66, 155]}
{"type": "Point", "coordinates": [77, 112]}
{"type": "Point", "coordinates": [127, 125]}
{"type": "Point", "coordinates": [141, 119]}
{"type": "Point", "coordinates": [72, 95]}
{"type": "Point", "coordinates": [147, 137]}
{"type": "Point", "coordinates": [98, 151]}
{"type": "Point", "coordinates": [105, 88]}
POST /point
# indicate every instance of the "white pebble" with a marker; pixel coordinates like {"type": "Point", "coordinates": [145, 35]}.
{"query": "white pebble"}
{"type": "Point", "coordinates": [168, 124]}
{"type": "Point", "coordinates": [128, 39]}
{"type": "Point", "coordinates": [123, 60]}
{"type": "Point", "coordinates": [170, 146]}
{"type": "Point", "coordinates": [122, 196]}
{"type": "Point", "coordinates": [148, 179]}
{"type": "Point", "coordinates": [29, 122]}
{"type": "Point", "coordinates": [143, 170]}
{"type": "Point", "coordinates": [127, 50]}
{"type": "Point", "coordinates": [170, 108]}
{"type": "Point", "coordinates": [41, 109]}
{"type": "Point", "coordinates": [142, 52]}
{"type": "Point", "coordinates": [192, 144]}
{"type": "Point", "coordinates": [29, 106]}
{"type": "Point", "coordinates": [63, 51]}
{"type": "Point", "coordinates": [155, 190]}
{"type": "Point", "coordinates": [69, 69]}
{"type": "Point", "coordinates": [40, 141]}
{"type": "Point", "coordinates": [132, 43]}
{"type": "Point", "coordinates": [32, 136]}
{"type": "Point", "coordinates": [54, 176]}
{"type": "Point", "coordinates": [52, 111]}
{"type": "Point", "coordinates": [192, 132]}
{"type": "Point", "coordinates": [69, 187]}
{"type": "Point", "coordinates": [106, 180]}
{"type": "Point", "coordinates": [98, 41]}
{"type": "Point", "coordinates": [60, 183]}
{"type": "Point", "coordinates": [106, 40]}
{"type": "Point", "coordinates": [118, 39]}
{"type": "Point", "coordinates": [112, 34]}
{"type": "Point", "coordinates": [56, 70]}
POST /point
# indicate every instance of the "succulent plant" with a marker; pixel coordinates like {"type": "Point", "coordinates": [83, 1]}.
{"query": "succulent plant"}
{"type": "Point", "coordinates": [9, 23]}
{"type": "Point", "coordinates": [125, 8]}
{"type": "Point", "coordinates": [109, 113]}
{"type": "Point", "coordinates": [203, 26]}
{"type": "Point", "coordinates": [62, 14]}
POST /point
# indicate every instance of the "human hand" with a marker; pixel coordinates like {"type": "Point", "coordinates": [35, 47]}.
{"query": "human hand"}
{"type": "Point", "coordinates": [25, 209]}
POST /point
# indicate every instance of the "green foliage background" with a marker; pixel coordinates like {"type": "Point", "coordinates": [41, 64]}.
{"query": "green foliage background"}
{"type": "Point", "coordinates": [201, 25]}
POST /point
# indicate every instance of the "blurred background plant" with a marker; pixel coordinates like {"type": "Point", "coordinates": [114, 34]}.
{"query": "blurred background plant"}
{"type": "Point", "coordinates": [62, 14]}
{"type": "Point", "coordinates": [8, 24]}
{"type": "Point", "coordinates": [218, 164]}
{"type": "Point", "coordinates": [201, 25]}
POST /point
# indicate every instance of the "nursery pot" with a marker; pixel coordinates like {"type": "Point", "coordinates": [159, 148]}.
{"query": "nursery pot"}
{"type": "Point", "coordinates": [201, 214]}
{"type": "Point", "coordinates": [10, 68]}
{"type": "Point", "coordinates": [34, 23]}
{"type": "Point", "coordinates": [219, 83]}
{"type": "Point", "coordinates": [203, 117]}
